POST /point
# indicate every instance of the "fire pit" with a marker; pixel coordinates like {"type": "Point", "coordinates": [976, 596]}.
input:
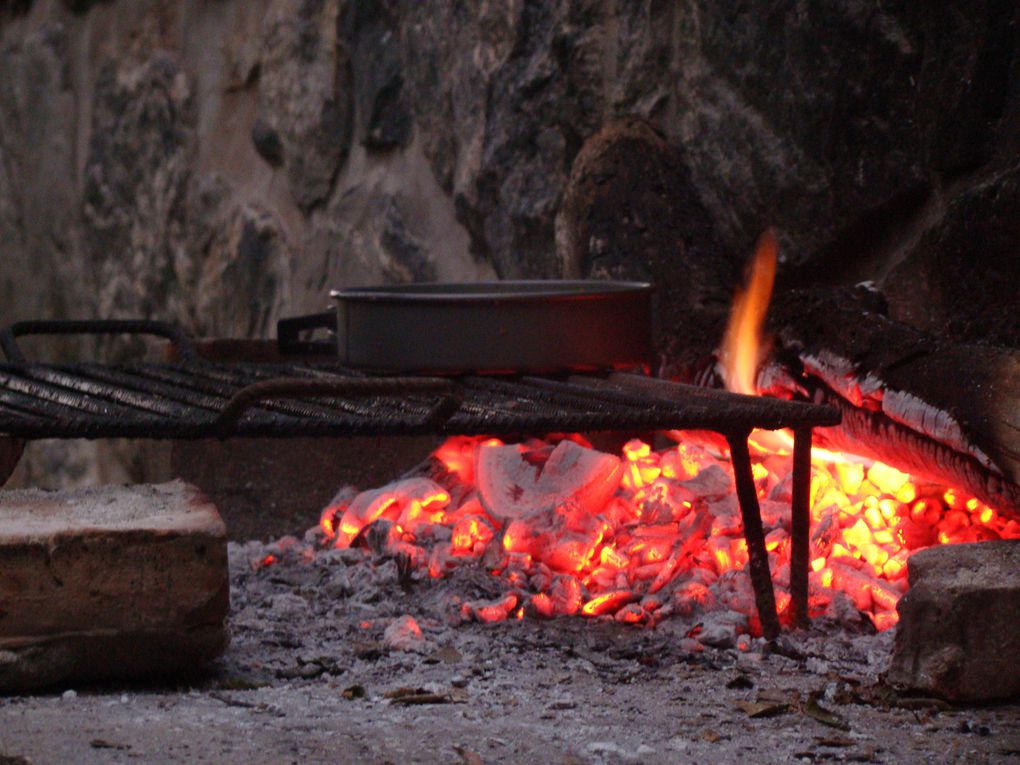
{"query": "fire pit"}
{"type": "Point", "coordinates": [193, 399]}
{"type": "Point", "coordinates": [566, 528]}
{"type": "Point", "coordinates": [572, 559]}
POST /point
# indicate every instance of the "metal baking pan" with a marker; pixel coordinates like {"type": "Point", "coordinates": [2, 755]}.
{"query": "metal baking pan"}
{"type": "Point", "coordinates": [508, 326]}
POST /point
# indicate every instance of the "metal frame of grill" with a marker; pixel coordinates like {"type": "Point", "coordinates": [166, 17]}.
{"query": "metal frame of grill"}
{"type": "Point", "coordinates": [195, 398]}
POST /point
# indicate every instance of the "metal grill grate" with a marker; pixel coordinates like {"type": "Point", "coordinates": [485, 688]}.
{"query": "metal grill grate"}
{"type": "Point", "coordinates": [183, 401]}
{"type": "Point", "coordinates": [199, 399]}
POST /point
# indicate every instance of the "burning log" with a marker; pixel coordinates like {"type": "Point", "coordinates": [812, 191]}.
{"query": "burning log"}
{"type": "Point", "coordinates": [948, 413]}
{"type": "Point", "coordinates": [940, 411]}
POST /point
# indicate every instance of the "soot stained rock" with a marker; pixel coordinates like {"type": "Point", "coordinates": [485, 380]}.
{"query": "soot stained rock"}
{"type": "Point", "coordinates": [407, 259]}
{"type": "Point", "coordinates": [384, 116]}
{"type": "Point", "coordinates": [518, 108]}
{"type": "Point", "coordinates": [135, 184]}
{"type": "Point", "coordinates": [810, 119]}
{"type": "Point", "coordinates": [306, 94]}
{"type": "Point", "coordinates": [959, 280]}
{"type": "Point", "coordinates": [267, 142]}
{"type": "Point", "coordinates": [959, 629]}
{"type": "Point", "coordinates": [79, 6]}
{"type": "Point", "coordinates": [630, 212]}
{"type": "Point", "coordinates": [237, 263]}
{"type": "Point", "coordinates": [38, 192]}
{"type": "Point", "coordinates": [854, 101]}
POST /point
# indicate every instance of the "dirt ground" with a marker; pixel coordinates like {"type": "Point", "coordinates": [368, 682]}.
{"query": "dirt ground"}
{"type": "Point", "coordinates": [321, 670]}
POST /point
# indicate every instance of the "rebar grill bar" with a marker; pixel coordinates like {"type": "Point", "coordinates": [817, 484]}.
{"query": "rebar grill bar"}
{"type": "Point", "coordinates": [184, 401]}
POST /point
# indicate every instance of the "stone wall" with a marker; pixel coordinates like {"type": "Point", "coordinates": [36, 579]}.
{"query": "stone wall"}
{"type": "Point", "coordinates": [225, 162]}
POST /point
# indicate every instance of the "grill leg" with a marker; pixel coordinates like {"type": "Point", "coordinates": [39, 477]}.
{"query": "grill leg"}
{"type": "Point", "coordinates": [801, 526]}
{"type": "Point", "coordinates": [758, 558]}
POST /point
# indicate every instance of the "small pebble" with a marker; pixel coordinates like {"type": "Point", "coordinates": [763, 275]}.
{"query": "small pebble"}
{"type": "Point", "coordinates": [817, 666]}
{"type": "Point", "coordinates": [69, 694]}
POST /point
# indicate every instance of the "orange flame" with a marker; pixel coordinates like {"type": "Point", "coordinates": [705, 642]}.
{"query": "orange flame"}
{"type": "Point", "coordinates": [743, 344]}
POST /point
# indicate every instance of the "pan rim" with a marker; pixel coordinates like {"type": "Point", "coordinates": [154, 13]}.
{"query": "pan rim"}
{"type": "Point", "coordinates": [513, 291]}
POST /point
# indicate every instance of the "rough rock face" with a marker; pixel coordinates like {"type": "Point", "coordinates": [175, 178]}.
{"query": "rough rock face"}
{"type": "Point", "coordinates": [305, 96]}
{"type": "Point", "coordinates": [825, 122]}
{"type": "Point", "coordinates": [222, 163]}
{"type": "Point", "coordinates": [135, 184]}
{"type": "Point", "coordinates": [960, 278]}
{"type": "Point", "coordinates": [958, 633]}
{"type": "Point", "coordinates": [630, 211]}
{"type": "Point", "coordinates": [38, 204]}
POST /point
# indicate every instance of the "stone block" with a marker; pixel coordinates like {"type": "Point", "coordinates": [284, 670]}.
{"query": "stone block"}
{"type": "Point", "coordinates": [959, 631]}
{"type": "Point", "coordinates": [110, 582]}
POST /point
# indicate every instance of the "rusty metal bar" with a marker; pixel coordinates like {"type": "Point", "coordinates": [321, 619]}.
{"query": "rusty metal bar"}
{"type": "Point", "coordinates": [762, 411]}
{"type": "Point", "coordinates": [175, 334]}
{"type": "Point", "coordinates": [750, 513]}
{"type": "Point", "coordinates": [800, 526]}
{"type": "Point", "coordinates": [289, 387]}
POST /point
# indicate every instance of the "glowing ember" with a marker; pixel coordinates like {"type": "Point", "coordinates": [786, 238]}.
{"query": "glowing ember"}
{"type": "Point", "coordinates": [667, 539]}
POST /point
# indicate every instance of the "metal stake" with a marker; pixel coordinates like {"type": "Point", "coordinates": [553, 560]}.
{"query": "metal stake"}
{"type": "Point", "coordinates": [758, 557]}
{"type": "Point", "coordinates": [800, 526]}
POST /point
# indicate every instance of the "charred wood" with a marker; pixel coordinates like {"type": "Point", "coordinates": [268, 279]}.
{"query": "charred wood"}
{"type": "Point", "coordinates": [10, 452]}
{"type": "Point", "coordinates": [943, 411]}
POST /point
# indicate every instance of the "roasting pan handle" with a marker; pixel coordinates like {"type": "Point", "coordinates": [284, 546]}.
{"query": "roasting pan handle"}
{"type": "Point", "coordinates": [299, 387]}
{"type": "Point", "coordinates": [288, 332]}
{"type": "Point", "coordinates": [177, 336]}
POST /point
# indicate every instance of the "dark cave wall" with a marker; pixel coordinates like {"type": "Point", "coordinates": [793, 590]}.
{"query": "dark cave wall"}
{"type": "Point", "coordinates": [222, 163]}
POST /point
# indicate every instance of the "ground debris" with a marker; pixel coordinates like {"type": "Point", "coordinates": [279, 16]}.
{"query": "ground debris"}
{"type": "Point", "coordinates": [740, 682]}
{"type": "Point", "coordinates": [922, 702]}
{"type": "Point", "coordinates": [540, 677]}
{"type": "Point", "coordinates": [756, 709]}
{"type": "Point", "coordinates": [102, 743]}
{"type": "Point", "coordinates": [816, 711]}
{"type": "Point", "coordinates": [468, 757]}
{"type": "Point", "coordinates": [834, 742]}
{"type": "Point", "coordinates": [416, 696]}
{"type": "Point", "coordinates": [446, 655]}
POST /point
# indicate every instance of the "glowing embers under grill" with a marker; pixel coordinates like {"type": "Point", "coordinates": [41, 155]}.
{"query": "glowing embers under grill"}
{"type": "Point", "coordinates": [569, 530]}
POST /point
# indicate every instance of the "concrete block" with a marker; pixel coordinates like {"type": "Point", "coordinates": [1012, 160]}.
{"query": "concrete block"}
{"type": "Point", "coordinates": [110, 582]}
